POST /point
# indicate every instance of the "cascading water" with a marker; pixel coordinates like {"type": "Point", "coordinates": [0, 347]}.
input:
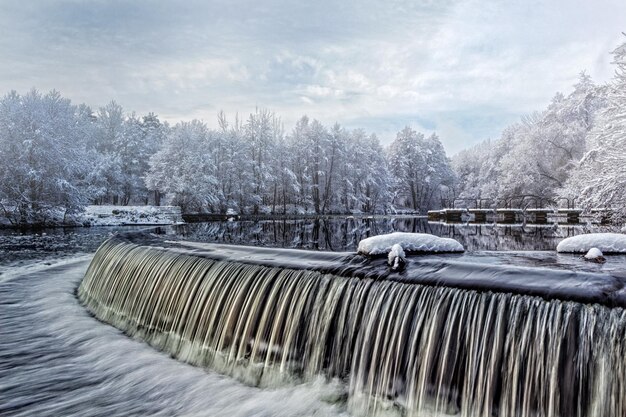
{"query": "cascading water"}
{"type": "Point", "coordinates": [399, 346]}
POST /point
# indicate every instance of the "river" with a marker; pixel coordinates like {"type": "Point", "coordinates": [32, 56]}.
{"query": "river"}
{"type": "Point", "coordinates": [57, 359]}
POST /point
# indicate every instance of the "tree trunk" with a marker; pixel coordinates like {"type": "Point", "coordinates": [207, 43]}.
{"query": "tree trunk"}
{"type": "Point", "coordinates": [329, 179]}
{"type": "Point", "coordinates": [413, 195]}
{"type": "Point", "coordinates": [274, 199]}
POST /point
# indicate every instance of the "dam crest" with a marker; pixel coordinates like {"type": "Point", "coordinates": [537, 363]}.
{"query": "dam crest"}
{"type": "Point", "coordinates": [442, 339]}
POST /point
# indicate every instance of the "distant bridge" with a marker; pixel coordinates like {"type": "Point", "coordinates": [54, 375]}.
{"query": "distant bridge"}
{"type": "Point", "coordinates": [519, 209]}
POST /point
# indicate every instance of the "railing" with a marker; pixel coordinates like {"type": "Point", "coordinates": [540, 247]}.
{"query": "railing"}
{"type": "Point", "coordinates": [523, 201]}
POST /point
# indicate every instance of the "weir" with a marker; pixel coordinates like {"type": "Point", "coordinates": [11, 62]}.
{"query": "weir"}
{"type": "Point", "coordinates": [446, 338]}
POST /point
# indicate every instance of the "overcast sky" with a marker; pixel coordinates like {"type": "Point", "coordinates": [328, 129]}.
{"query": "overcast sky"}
{"type": "Point", "coordinates": [464, 69]}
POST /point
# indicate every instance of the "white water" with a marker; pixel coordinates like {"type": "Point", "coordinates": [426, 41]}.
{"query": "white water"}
{"type": "Point", "coordinates": [400, 348]}
{"type": "Point", "coordinates": [57, 360]}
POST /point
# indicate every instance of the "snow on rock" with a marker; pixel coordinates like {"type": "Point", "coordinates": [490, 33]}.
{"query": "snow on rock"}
{"type": "Point", "coordinates": [410, 242]}
{"type": "Point", "coordinates": [593, 253]}
{"type": "Point", "coordinates": [396, 258]}
{"type": "Point", "coordinates": [604, 242]}
{"type": "Point", "coordinates": [624, 229]}
{"type": "Point", "coordinates": [396, 252]}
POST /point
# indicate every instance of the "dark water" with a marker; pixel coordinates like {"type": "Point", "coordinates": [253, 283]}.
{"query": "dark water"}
{"type": "Point", "coordinates": [344, 234]}
{"type": "Point", "coordinates": [19, 248]}
{"type": "Point", "coordinates": [327, 234]}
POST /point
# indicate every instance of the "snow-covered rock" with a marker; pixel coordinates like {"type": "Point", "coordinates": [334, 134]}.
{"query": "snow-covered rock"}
{"type": "Point", "coordinates": [604, 242]}
{"type": "Point", "coordinates": [409, 242]}
{"type": "Point", "coordinates": [595, 255]}
{"type": "Point", "coordinates": [624, 229]}
{"type": "Point", "coordinates": [396, 258]}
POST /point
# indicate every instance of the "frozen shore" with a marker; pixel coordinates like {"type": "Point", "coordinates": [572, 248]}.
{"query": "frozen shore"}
{"type": "Point", "coordinates": [132, 215]}
{"type": "Point", "coordinates": [110, 215]}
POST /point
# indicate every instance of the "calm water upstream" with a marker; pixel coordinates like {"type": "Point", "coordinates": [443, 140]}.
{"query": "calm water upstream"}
{"type": "Point", "coordinates": [327, 234]}
{"type": "Point", "coordinates": [344, 234]}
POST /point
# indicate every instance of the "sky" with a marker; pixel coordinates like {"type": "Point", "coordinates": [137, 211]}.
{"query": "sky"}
{"type": "Point", "coordinates": [464, 69]}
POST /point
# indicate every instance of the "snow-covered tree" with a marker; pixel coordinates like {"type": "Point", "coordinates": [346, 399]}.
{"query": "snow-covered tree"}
{"type": "Point", "coordinates": [421, 168]}
{"type": "Point", "coordinates": [45, 162]}
{"type": "Point", "coordinates": [599, 180]}
{"type": "Point", "coordinates": [470, 166]}
{"type": "Point", "coordinates": [184, 169]}
{"type": "Point", "coordinates": [300, 167]}
{"type": "Point", "coordinates": [372, 178]}
{"type": "Point", "coordinates": [536, 156]}
{"type": "Point", "coordinates": [153, 136]}
{"type": "Point", "coordinates": [260, 135]}
{"type": "Point", "coordinates": [547, 145]}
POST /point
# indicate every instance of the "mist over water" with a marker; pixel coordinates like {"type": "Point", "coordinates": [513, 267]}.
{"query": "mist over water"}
{"type": "Point", "coordinates": [57, 360]}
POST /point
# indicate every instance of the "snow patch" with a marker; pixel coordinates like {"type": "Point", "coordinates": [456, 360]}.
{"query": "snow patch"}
{"type": "Point", "coordinates": [410, 242]}
{"type": "Point", "coordinates": [604, 242]}
{"type": "Point", "coordinates": [594, 253]}
{"type": "Point", "coordinates": [396, 257]}
{"type": "Point", "coordinates": [396, 252]}
{"type": "Point", "coordinates": [131, 215]}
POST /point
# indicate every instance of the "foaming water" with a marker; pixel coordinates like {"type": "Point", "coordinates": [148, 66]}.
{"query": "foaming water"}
{"type": "Point", "coordinates": [58, 360]}
{"type": "Point", "coordinates": [399, 347]}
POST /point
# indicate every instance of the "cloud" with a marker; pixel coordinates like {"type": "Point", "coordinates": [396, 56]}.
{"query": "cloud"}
{"type": "Point", "coordinates": [463, 68]}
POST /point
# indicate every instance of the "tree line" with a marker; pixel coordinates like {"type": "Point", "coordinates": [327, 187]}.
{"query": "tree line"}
{"type": "Point", "coordinates": [58, 157]}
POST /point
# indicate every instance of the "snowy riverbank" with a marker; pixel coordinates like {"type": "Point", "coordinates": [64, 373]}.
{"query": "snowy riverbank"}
{"type": "Point", "coordinates": [131, 215]}
{"type": "Point", "coordinates": [111, 215]}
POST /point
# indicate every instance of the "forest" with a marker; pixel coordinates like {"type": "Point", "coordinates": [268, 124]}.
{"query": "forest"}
{"type": "Point", "coordinates": [57, 157]}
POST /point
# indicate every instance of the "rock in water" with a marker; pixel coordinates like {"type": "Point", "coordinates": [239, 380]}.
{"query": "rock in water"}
{"type": "Point", "coordinates": [595, 255]}
{"type": "Point", "coordinates": [396, 258]}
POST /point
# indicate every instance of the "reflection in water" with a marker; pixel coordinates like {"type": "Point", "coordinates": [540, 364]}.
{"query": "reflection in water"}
{"type": "Point", "coordinates": [19, 248]}
{"type": "Point", "coordinates": [344, 234]}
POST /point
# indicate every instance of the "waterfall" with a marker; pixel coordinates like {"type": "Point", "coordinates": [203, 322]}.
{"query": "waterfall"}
{"type": "Point", "coordinates": [399, 347]}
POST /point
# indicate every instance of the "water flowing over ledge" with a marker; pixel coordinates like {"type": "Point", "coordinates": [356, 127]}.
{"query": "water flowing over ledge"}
{"type": "Point", "coordinates": [448, 336]}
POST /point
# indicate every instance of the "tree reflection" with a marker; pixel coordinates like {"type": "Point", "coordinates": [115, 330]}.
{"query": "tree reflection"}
{"type": "Point", "coordinates": [344, 233]}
